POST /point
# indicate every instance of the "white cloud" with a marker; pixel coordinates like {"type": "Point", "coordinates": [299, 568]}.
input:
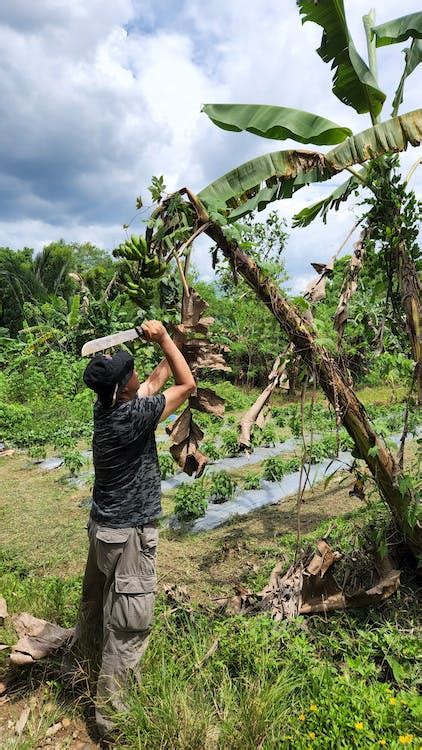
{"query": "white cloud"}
{"type": "Point", "coordinates": [97, 97]}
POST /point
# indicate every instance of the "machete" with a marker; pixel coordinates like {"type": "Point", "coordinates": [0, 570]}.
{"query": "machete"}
{"type": "Point", "coordinates": [106, 342]}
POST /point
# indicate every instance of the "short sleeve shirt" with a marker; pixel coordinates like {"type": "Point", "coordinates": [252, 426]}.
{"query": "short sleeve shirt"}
{"type": "Point", "coordinates": [127, 487]}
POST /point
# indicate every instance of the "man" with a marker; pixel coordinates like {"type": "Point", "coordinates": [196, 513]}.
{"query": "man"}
{"type": "Point", "coordinates": [120, 577]}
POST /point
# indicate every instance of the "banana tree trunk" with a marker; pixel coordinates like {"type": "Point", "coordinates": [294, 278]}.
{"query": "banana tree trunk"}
{"type": "Point", "coordinates": [349, 409]}
{"type": "Point", "coordinates": [411, 295]}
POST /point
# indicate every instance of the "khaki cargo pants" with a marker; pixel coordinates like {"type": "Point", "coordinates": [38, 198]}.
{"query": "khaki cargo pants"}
{"type": "Point", "coordinates": [117, 602]}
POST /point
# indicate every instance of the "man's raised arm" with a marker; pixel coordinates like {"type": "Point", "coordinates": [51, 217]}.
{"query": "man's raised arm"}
{"type": "Point", "coordinates": [183, 378]}
{"type": "Point", "coordinates": [159, 377]}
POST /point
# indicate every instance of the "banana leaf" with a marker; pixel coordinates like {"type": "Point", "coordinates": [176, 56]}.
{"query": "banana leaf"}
{"type": "Point", "coordinates": [353, 82]}
{"type": "Point", "coordinates": [277, 123]}
{"type": "Point", "coordinates": [413, 56]}
{"type": "Point", "coordinates": [281, 173]}
{"type": "Point", "coordinates": [275, 172]}
{"type": "Point", "coordinates": [398, 30]}
{"type": "Point", "coordinates": [386, 137]}
{"type": "Point", "coordinates": [340, 194]}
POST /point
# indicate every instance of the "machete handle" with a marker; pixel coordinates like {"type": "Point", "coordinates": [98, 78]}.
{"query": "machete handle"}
{"type": "Point", "coordinates": [139, 331]}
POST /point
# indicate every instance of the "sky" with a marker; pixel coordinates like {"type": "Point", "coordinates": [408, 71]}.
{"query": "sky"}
{"type": "Point", "coordinates": [99, 96]}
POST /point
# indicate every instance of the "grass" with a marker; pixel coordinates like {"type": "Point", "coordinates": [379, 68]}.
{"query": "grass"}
{"type": "Point", "coordinates": [349, 680]}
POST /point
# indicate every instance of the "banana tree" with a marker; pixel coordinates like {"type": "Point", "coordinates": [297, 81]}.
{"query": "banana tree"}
{"type": "Point", "coordinates": [278, 175]}
{"type": "Point", "coordinates": [252, 186]}
{"type": "Point", "coordinates": [385, 469]}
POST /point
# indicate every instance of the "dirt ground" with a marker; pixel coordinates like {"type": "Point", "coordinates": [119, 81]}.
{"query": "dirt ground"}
{"type": "Point", "coordinates": [42, 524]}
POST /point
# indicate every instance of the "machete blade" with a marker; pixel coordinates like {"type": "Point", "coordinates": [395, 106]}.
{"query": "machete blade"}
{"type": "Point", "coordinates": [106, 342]}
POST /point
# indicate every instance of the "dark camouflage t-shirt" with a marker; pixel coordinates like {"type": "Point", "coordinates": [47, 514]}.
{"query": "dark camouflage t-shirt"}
{"type": "Point", "coordinates": [127, 489]}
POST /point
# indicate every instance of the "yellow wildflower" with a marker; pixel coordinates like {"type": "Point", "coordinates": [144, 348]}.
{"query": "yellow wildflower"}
{"type": "Point", "coordinates": [312, 707]}
{"type": "Point", "coordinates": [405, 739]}
{"type": "Point", "coordinates": [359, 725]}
{"type": "Point", "coordinates": [311, 735]}
{"type": "Point", "coordinates": [387, 690]}
{"type": "Point", "coordinates": [392, 701]}
{"type": "Point", "coordinates": [382, 742]}
{"type": "Point", "coordinates": [302, 717]}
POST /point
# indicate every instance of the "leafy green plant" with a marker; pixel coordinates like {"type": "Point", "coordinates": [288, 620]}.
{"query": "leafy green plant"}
{"type": "Point", "coordinates": [279, 415]}
{"type": "Point", "coordinates": [37, 451]}
{"type": "Point", "coordinates": [252, 481]}
{"type": "Point", "coordinates": [73, 461]}
{"type": "Point", "coordinates": [229, 442]}
{"type": "Point", "coordinates": [276, 467]}
{"type": "Point", "coordinates": [167, 465]}
{"type": "Point", "coordinates": [267, 436]}
{"type": "Point", "coordinates": [326, 447]}
{"type": "Point", "coordinates": [190, 501]}
{"type": "Point", "coordinates": [15, 422]}
{"type": "Point", "coordinates": [211, 450]}
{"type": "Point", "coordinates": [222, 487]}
{"type": "Point", "coordinates": [295, 422]}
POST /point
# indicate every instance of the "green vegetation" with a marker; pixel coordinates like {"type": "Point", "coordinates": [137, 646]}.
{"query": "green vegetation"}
{"type": "Point", "coordinates": [221, 487]}
{"type": "Point", "coordinates": [167, 465]}
{"type": "Point", "coordinates": [190, 501]}
{"type": "Point", "coordinates": [276, 467]}
{"type": "Point", "coordinates": [252, 480]}
{"type": "Point", "coordinates": [350, 679]}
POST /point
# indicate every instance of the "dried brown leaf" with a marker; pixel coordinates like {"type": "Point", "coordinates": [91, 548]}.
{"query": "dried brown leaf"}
{"type": "Point", "coordinates": [206, 400]}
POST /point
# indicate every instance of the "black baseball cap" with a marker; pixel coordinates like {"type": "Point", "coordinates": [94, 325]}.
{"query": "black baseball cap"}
{"type": "Point", "coordinates": [103, 374]}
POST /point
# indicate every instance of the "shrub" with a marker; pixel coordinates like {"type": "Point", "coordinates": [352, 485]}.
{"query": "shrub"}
{"type": "Point", "coordinates": [252, 481]}
{"type": "Point", "coordinates": [73, 461]}
{"type": "Point", "coordinates": [266, 437]}
{"type": "Point", "coordinates": [15, 422]}
{"type": "Point", "coordinates": [230, 442]}
{"type": "Point", "coordinates": [37, 451]}
{"type": "Point", "coordinates": [327, 447]}
{"type": "Point", "coordinates": [280, 416]}
{"type": "Point", "coordinates": [211, 450]}
{"type": "Point", "coordinates": [276, 467]}
{"type": "Point", "coordinates": [209, 423]}
{"type": "Point", "coordinates": [190, 501]}
{"type": "Point", "coordinates": [222, 487]}
{"type": "Point", "coordinates": [167, 465]}
{"type": "Point", "coordinates": [324, 448]}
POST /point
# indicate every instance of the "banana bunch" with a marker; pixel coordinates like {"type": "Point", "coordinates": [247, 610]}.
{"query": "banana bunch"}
{"type": "Point", "coordinates": [141, 269]}
{"type": "Point", "coordinates": [136, 249]}
{"type": "Point", "coordinates": [140, 291]}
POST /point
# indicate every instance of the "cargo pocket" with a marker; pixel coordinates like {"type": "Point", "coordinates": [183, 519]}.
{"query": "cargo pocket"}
{"type": "Point", "coordinates": [133, 602]}
{"type": "Point", "coordinates": [109, 545]}
{"type": "Point", "coordinates": [148, 553]}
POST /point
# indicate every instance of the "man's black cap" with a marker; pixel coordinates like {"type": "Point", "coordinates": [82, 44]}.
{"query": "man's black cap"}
{"type": "Point", "coordinates": [103, 374]}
